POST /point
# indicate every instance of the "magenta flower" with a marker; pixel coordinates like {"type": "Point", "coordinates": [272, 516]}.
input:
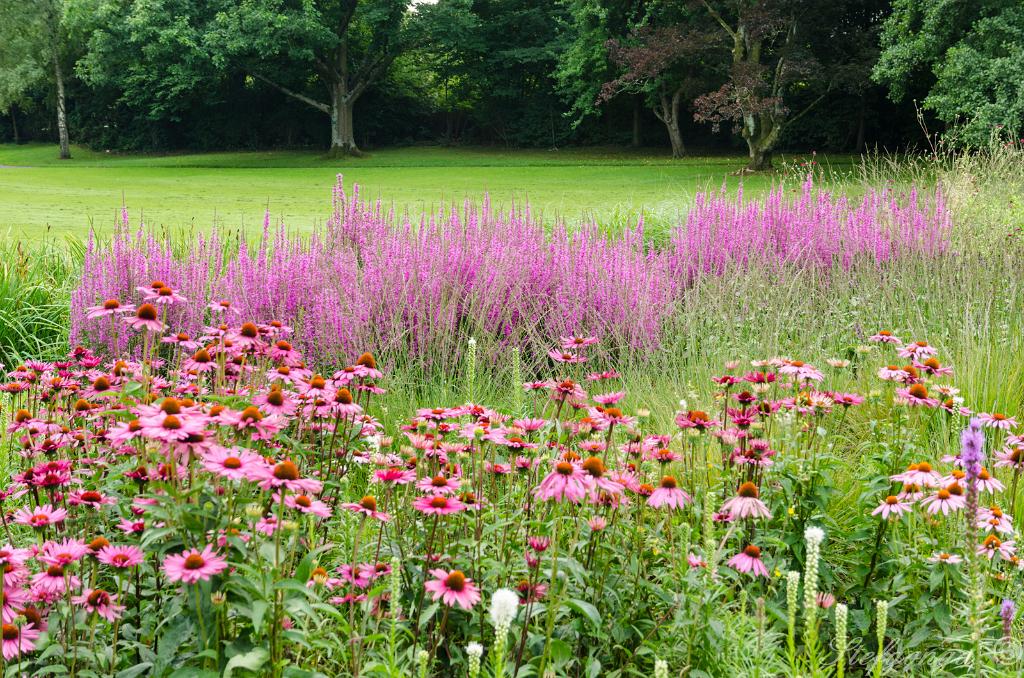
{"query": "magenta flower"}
{"type": "Point", "coordinates": [567, 482]}
{"type": "Point", "coordinates": [576, 343]}
{"type": "Point", "coordinates": [438, 505]}
{"type": "Point", "coordinates": [18, 640]}
{"type": "Point", "coordinates": [439, 484]}
{"type": "Point", "coordinates": [748, 561]}
{"type": "Point", "coordinates": [40, 517]}
{"type": "Point", "coordinates": [945, 500]}
{"type": "Point", "coordinates": [668, 493]}
{"type": "Point", "coordinates": [192, 566]}
{"type": "Point", "coordinates": [306, 504]}
{"type": "Point", "coordinates": [145, 318]}
{"type": "Point", "coordinates": [121, 557]}
{"type": "Point", "coordinates": [997, 420]}
{"type": "Point", "coordinates": [891, 506]}
{"type": "Point", "coordinates": [885, 337]}
{"type": "Point", "coordinates": [453, 588]}
{"type": "Point", "coordinates": [107, 308]}
{"type": "Point", "coordinates": [233, 463]}
{"type": "Point", "coordinates": [746, 503]}
{"type": "Point", "coordinates": [368, 507]}
{"type": "Point", "coordinates": [99, 602]}
{"type": "Point", "coordinates": [64, 552]}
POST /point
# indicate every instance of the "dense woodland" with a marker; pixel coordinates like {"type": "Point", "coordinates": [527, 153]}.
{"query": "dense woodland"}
{"type": "Point", "coordinates": [754, 76]}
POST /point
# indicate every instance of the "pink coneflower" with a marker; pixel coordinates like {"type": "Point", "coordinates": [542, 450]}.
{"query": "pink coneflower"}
{"type": "Point", "coordinates": [746, 503]}
{"type": "Point", "coordinates": [693, 560]}
{"type": "Point", "coordinates": [945, 500]}
{"type": "Point", "coordinates": [63, 552]}
{"type": "Point", "coordinates": [394, 475]}
{"type": "Point", "coordinates": [40, 517]}
{"type": "Point", "coordinates": [439, 484]}
{"type": "Point", "coordinates": [368, 507]}
{"type": "Point", "coordinates": [917, 349]}
{"type": "Point", "coordinates": [193, 566]}
{"type": "Point", "coordinates": [164, 296]}
{"type": "Point", "coordinates": [916, 395]}
{"type": "Point", "coordinates": [609, 398]}
{"type": "Point", "coordinates": [933, 367]}
{"type": "Point", "coordinates": [749, 561]}
{"type": "Point", "coordinates": [894, 373]}
{"type": "Point", "coordinates": [100, 602]}
{"type": "Point", "coordinates": [801, 371]}
{"type": "Point", "coordinates": [576, 343]}
{"type": "Point", "coordinates": [453, 588]}
{"type": "Point", "coordinates": [107, 308]}
{"type": "Point", "coordinates": [90, 498]}
{"type": "Point", "coordinates": [181, 340]}
{"type": "Point", "coordinates": [121, 557]}
{"type": "Point", "coordinates": [891, 506]}
{"type": "Point", "coordinates": [233, 463]}
{"type": "Point", "coordinates": [18, 640]}
{"type": "Point", "coordinates": [306, 504]}
{"type": "Point", "coordinates": [172, 428]}
{"type": "Point", "coordinates": [1011, 456]}
{"type": "Point", "coordinates": [286, 474]}
{"type": "Point", "coordinates": [993, 518]}
{"type": "Point", "coordinates": [825, 600]}
{"type": "Point", "coordinates": [597, 524]}
{"type": "Point", "coordinates": [438, 505]}
{"type": "Point", "coordinates": [943, 558]}
{"type": "Point", "coordinates": [668, 494]}
{"type": "Point", "coordinates": [920, 474]}
{"type": "Point", "coordinates": [146, 318]}
{"type": "Point", "coordinates": [567, 357]}
{"type": "Point", "coordinates": [885, 337]}
{"type": "Point", "coordinates": [530, 593]}
{"type": "Point", "coordinates": [568, 481]}
{"type": "Point", "coordinates": [997, 420]}
{"type": "Point", "coordinates": [55, 580]}
{"type": "Point", "coordinates": [993, 545]}
{"type": "Point", "coordinates": [539, 544]}
{"type": "Point", "coordinates": [696, 420]}
{"type": "Point", "coordinates": [988, 483]}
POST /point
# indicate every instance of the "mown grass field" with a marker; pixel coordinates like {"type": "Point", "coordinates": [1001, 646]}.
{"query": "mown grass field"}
{"type": "Point", "coordinates": [41, 195]}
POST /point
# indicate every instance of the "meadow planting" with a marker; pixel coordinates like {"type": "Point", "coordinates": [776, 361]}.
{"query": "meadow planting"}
{"type": "Point", "coordinates": [780, 438]}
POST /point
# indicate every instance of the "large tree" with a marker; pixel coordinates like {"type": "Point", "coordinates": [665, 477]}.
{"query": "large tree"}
{"type": "Point", "coordinates": [33, 49]}
{"type": "Point", "coordinates": [970, 54]}
{"type": "Point", "coordinates": [339, 47]}
{"type": "Point", "coordinates": [665, 64]}
{"type": "Point", "coordinates": [772, 60]}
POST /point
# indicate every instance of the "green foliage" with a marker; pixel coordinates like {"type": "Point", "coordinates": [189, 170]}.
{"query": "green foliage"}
{"type": "Point", "coordinates": [970, 53]}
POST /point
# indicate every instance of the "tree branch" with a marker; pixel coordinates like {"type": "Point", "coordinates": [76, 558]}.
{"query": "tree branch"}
{"type": "Point", "coordinates": [318, 105]}
{"type": "Point", "coordinates": [718, 17]}
{"type": "Point", "coordinates": [808, 107]}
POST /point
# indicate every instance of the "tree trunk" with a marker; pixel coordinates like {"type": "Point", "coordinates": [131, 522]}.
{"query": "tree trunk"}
{"type": "Point", "coordinates": [637, 112]}
{"type": "Point", "coordinates": [62, 120]}
{"type": "Point", "coordinates": [343, 141]}
{"type": "Point", "coordinates": [668, 112]}
{"type": "Point", "coordinates": [676, 137]}
{"type": "Point", "coordinates": [14, 124]}
{"type": "Point", "coordinates": [760, 158]}
{"type": "Point", "coordinates": [861, 114]}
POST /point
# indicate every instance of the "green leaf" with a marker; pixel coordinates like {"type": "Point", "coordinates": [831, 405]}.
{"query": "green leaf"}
{"type": "Point", "coordinates": [251, 661]}
{"type": "Point", "coordinates": [587, 610]}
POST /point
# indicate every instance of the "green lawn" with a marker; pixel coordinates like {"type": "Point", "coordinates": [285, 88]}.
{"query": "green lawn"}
{"type": "Point", "coordinates": [39, 192]}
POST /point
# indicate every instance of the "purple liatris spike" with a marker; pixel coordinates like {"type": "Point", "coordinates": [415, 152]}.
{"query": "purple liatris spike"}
{"type": "Point", "coordinates": [972, 449]}
{"type": "Point", "coordinates": [1007, 613]}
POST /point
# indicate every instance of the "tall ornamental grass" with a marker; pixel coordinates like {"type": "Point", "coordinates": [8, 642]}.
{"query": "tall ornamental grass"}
{"type": "Point", "coordinates": [415, 290]}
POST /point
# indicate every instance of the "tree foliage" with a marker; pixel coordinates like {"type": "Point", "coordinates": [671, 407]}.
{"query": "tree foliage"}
{"type": "Point", "coordinates": [971, 54]}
